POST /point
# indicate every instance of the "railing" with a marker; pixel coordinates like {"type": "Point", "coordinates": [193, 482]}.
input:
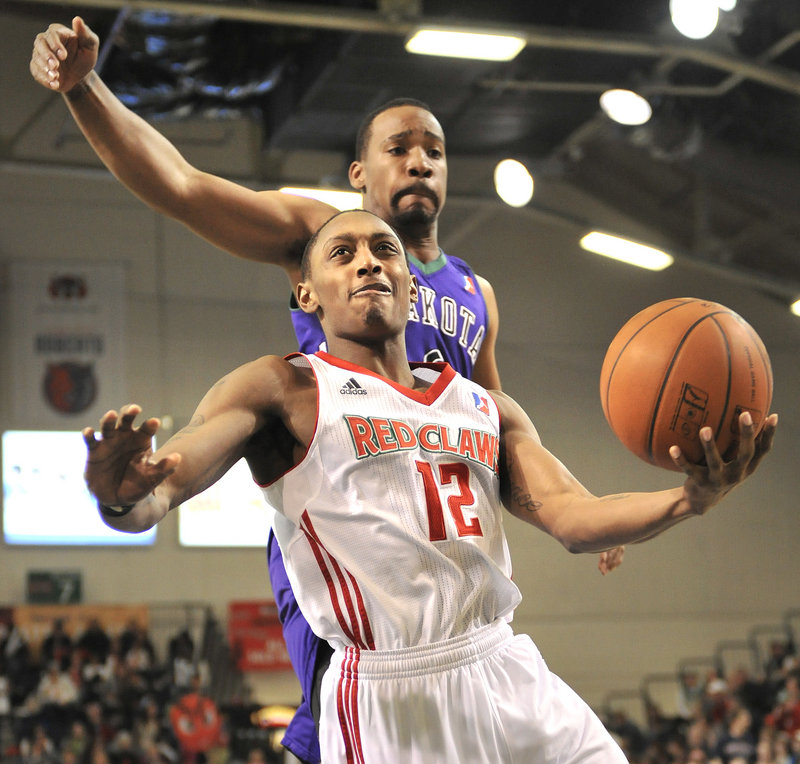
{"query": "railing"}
{"type": "Point", "coordinates": [662, 690]}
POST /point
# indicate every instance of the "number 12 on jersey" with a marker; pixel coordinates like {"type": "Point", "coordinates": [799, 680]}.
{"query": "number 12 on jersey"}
{"type": "Point", "coordinates": [433, 483]}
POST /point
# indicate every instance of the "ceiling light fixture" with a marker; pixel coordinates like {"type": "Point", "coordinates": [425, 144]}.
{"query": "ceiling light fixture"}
{"type": "Point", "coordinates": [513, 183]}
{"type": "Point", "coordinates": [695, 19]}
{"type": "Point", "coordinates": [795, 307]}
{"type": "Point", "coordinates": [626, 251]}
{"type": "Point", "coordinates": [625, 106]}
{"type": "Point", "coordinates": [342, 200]}
{"type": "Point", "coordinates": [486, 47]}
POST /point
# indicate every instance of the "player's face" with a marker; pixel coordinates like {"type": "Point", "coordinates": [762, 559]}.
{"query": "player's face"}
{"type": "Point", "coordinates": [403, 172]}
{"type": "Point", "coordinates": [359, 283]}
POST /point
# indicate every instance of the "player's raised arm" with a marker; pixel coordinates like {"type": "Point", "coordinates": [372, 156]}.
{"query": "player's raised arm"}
{"type": "Point", "coordinates": [267, 226]}
{"type": "Point", "coordinates": [538, 488]}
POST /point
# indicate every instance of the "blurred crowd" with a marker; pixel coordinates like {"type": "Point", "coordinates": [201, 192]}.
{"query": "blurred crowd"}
{"type": "Point", "coordinates": [102, 699]}
{"type": "Point", "coordinates": [98, 699]}
{"type": "Point", "coordinates": [742, 717]}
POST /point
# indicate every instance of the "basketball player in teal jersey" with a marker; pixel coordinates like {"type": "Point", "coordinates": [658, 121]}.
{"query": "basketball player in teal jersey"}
{"type": "Point", "coordinates": [400, 168]}
{"type": "Point", "coordinates": [413, 473]}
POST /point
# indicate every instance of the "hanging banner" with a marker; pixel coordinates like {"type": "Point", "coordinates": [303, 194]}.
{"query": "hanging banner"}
{"type": "Point", "coordinates": [67, 343]}
{"type": "Point", "coordinates": [256, 637]}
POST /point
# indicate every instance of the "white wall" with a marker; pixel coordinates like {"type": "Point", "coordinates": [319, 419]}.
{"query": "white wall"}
{"type": "Point", "coordinates": [194, 313]}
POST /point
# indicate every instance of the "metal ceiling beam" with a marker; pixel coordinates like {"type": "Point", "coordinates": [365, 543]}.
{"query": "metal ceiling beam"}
{"type": "Point", "coordinates": [356, 20]}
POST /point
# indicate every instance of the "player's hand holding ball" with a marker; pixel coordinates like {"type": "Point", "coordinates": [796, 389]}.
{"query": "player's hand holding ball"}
{"type": "Point", "coordinates": [693, 374]}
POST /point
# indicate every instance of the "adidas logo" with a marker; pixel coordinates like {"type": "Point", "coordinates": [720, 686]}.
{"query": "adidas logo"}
{"type": "Point", "coordinates": [351, 387]}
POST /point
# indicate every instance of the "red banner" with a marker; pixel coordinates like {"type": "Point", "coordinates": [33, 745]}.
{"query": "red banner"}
{"type": "Point", "coordinates": [255, 636]}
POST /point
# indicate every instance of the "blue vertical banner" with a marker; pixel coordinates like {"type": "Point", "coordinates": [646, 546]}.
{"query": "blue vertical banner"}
{"type": "Point", "coordinates": [67, 342]}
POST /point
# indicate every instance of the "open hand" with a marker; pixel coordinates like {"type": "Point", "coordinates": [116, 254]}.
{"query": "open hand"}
{"type": "Point", "coordinates": [119, 468]}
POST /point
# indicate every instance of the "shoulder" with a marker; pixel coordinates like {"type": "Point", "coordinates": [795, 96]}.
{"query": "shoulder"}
{"type": "Point", "coordinates": [513, 418]}
{"type": "Point", "coordinates": [263, 382]}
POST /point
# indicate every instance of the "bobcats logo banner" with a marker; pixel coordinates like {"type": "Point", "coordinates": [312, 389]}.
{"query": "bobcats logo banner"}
{"type": "Point", "coordinates": [67, 343]}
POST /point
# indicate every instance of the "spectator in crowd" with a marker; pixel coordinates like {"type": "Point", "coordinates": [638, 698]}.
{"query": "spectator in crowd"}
{"type": "Point", "coordinates": [39, 748]}
{"type": "Point", "coordinates": [56, 699]}
{"type": "Point", "coordinates": [737, 743]}
{"type": "Point", "coordinates": [196, 723]}
{"type": "Point", "coordinates": [94, 641]}
{"type": "Point", "coordinates": [135, 635]}
{"type": "Point", "coordinates": [76, 742]}
{"type": "Point", "coordinates": [785, 717]}
{"type": "Point", "coordinates": [690, 693]}
{"type": "Point", "coordinates": [19, 664]}
{"type": "Point", "coordinates": [56, 646]}
{"type": "Point", "coordinates": [96, 675]}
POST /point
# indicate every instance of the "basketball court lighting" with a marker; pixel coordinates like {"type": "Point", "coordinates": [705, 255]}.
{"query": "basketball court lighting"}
{"type": "Point", "coordinates": [626, 251]}
{"type": "Point", "coordinates": [695, 19]}
{"type": "Point", "coordinates": [726, 5]}
{"type": "Point", "coordinates": [795, 307]}
{"type": "Point", "coordinates": [479, 45]}
{"type": "Point", "coordinates": [625, 106]}
{"type": "Point", "coordinates": [513, 183]}
{"type": "Point", "coordinates": [342, 200]}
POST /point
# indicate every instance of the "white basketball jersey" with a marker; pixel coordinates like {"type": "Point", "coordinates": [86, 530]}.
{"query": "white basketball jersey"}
{"type": "Point", "coordinates": [391, 525]}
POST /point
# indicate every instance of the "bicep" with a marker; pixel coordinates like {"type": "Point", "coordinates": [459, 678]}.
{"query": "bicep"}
{"type": "Point", "coordinates": [265, 226]}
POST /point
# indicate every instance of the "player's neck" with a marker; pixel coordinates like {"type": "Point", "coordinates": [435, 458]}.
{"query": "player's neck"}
{"type": "Point", "coordinates": [387, 358]}
{"type": "Point", "coordinates": [422, 243]}
{"type": "Point", "coordinates": [425, 251]}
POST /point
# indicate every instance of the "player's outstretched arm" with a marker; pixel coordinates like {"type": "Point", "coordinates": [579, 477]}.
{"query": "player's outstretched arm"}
{"type": "Point", "coordinates": [538, 488]}
{"type": "Point", "coordinates": [141, 486]}
{"type": "Point", "coordinates": [267, 226]}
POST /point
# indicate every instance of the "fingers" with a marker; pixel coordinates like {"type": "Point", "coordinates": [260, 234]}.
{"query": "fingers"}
{"type": "Point", "coordinates": [89, 438]}
{"type": "Point", "coordinates": [747, 436]}
{"type": "Point", "coordinates": [711, 452]}
{"type": "Point", "coordinates": [763, 442]}
{"type": "Point", "coordinates": [167, 465]}
{"type": "Point", "coordinates": [49, 49]}
{"type": "Point", "coordinates": [610, 560]}
{"type": "Point", "coordinates": [81, 30]}
{"type": "Point", "coordinates": [113, 424]}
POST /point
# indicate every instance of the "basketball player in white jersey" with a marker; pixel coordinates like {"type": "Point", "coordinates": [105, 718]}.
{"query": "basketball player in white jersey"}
{"type": "Point", "coordinates": [389, 480]}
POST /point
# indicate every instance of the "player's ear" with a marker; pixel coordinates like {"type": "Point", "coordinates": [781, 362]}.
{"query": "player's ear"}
{"type": "Point", "coordinates": [306, 297]}
{"type": "Point", "coordinates": [414, 289]}
{"type": "Point", "coordinates": [356, 175]}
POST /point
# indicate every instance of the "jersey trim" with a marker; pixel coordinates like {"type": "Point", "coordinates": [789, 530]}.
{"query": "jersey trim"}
{"type": "Point", "coordinates": [343, 589]}
{"type": "Point", "coordinates": [446, 375]}
{"type": "Point", "coordinates": [432, 266]}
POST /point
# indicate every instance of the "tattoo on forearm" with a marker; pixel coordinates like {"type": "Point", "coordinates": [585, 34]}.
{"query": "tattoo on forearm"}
{"type": "Point", "coordinates": [524, 500]}
{"type": "Point", "coordinates": [517, 493]}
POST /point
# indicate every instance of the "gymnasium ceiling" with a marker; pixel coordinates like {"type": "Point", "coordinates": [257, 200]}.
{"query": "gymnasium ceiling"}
{"type": "Point", "coordinates": [715, 174]}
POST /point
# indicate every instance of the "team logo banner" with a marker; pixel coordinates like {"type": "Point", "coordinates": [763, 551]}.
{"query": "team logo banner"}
{"type": "Point", "coordinates": [67, 332]}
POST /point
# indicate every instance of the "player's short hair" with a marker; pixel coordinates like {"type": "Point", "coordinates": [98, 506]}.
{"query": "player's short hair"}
{"type": "Point", "coordinates": [365, 128]}
{"type": "Point", "coordinates": [305, 260]}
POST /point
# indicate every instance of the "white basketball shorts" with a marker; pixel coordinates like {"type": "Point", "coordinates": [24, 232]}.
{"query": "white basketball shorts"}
{"type": "Point", "coordinates": [483, 697]}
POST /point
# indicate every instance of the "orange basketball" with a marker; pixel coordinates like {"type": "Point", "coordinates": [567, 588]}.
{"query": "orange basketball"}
{"type": "Point", "coordinates": [677, 366]}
